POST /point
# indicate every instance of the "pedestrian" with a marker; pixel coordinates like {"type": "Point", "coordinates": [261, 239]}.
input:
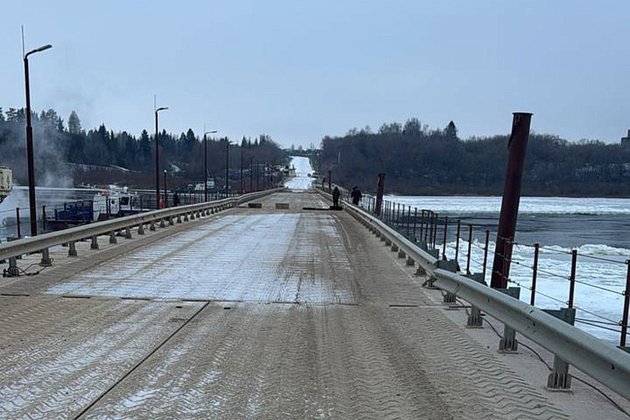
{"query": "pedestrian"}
{"type": "Point", "coordinates": [335, 194]}
{"type": "Point", "coordinates": [356, 195]}
{"type": "Point", "coordinates": [175, 200]}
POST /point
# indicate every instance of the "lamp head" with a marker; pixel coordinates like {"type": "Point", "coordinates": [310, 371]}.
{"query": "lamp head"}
{"type": "Point", "coordinates": [40, 49]}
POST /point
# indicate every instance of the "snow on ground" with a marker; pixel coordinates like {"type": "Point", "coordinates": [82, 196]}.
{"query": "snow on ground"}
{"type": "Point", "coordinates": [263, 257]}
{"type": "Point", "coordinates": [301, 180]}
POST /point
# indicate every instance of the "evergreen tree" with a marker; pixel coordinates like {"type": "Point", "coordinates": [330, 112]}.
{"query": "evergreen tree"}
{"type": "Point", "coordinates": [74, 123]}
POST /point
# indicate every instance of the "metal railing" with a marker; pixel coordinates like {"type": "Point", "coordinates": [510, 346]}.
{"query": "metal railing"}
{"type": "Point", "coordinates": [42, 243]}
{"type": "Point", "coordinates": [599, 359]}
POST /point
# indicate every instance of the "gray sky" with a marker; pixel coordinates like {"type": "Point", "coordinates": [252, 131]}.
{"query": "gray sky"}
{"type": "Point", "coordinates": [300, 70]}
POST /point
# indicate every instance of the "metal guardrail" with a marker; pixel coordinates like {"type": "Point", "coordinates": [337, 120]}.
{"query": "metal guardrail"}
{"type": "Point", "coordinates": [93, 230]}
{"type": "Point", "coordinates": [600, 360]}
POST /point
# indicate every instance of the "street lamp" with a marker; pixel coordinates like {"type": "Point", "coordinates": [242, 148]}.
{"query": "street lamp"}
{"type": "Point", "coordinates": [29, 143]}
{"type": "Point", "coordinates": [242, 149]}
{"type": "Point", "coordinates": [157, 158]}
{"type": "Point", "coordinates": [227, 166]}
{"type": "Point", "coordinates": [165, 191]}
{"type": "Point", "coordinates": [205, 163]}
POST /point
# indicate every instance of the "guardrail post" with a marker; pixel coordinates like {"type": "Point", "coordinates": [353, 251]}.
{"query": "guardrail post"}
{"type": "Point", "coordinates": [46, 261]}
{"type": "Point", "coordinates": [112, 237]}
{"type": "Point", "coordinates": [94, 243]}
{"type": "Point", "coordinates": [572, 277]}
{"type": "Point", "coordinates": [626, 308]}
{"type": "Point", "coordinates": [485, 255]}
{"type": "Point", "coordinates": [508, 343]}
{"type": "Point", "coordinates": [13, 270]}
{"type": "Point", "coordinates": [152, 225]}
{"type": "Point", "coordinates": [445, 238]}
{"type": "Point", "coordinates": [459, 223]}
{"type": "Point", "coordinates": [532, 297]}
{"type": "Point", "coordinates": [72, 249]}
{"type": "Point", "coordinates": [179, 218]}
{"type": "Point", "coordinates": [128, 234]}
{"type": "Point", "coordinates": [415, 222]}
{"type": "Point", "coordinates": [559, 378]}
{"type": "Point", "coordinates": [171, 222]}
{"type": "Point", "coordinates": [185, 217]}
{"type": "Point", "coordinates": [475, 320]}
{"type": "Point", "coordinates": [17, 219]}
{"type": "Point", "coordinates": [141, 229]}
{"type": "Point", "coordinates": [470, 239]}
{"type": "Point", "coordinates": [162, 224]}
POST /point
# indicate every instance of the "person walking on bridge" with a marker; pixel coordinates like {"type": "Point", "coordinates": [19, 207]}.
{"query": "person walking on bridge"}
{"type": "Point", "coordinates": [335, 194]}
{"type": "Point", "coordinates": [356, 195]}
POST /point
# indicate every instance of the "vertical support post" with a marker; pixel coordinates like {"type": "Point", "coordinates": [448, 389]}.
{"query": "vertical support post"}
{"type": "Point", "coordinates": [517, 146]}
{"type": "Point", "coordinates": [94, 243]}
{"type": "Point", "coordinates": [72, 249]}
{"type": "Point", "coordinates": [509, 343]}
{"type": "Point", "coordinates": [408, 220]}
{"type": "Point", "coordinates": [470, 239]}
{"type": "Point", "coordinates": [626, 308]}
{"type": "Point", "coordinates": [444, 238]}
{"type": "Point", "coordinates": [415, 222]}
{"type": "Point", "coordinates": [329, 181]}
{"type": "Point", "coordinates": [112, 237]}
{"type": "Point", "coordinates": [532, 298]}
{"type": "Point", "coordinates": [435, 229]}
{"type": "Point", "coordinates": [572, 278]}
{"type": "Point", "coordinates": [459, 223]}
{"type": "Point", "coordinates": [17, 226]}
{"type": "Point", "coordinates": [423, 212]}
{"type": "Point", "coordinates": [46, 261]}
{"type": "Point", "coordinates": [485, 256]}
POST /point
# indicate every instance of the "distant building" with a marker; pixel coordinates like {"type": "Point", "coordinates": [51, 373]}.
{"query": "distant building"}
{"type": "Point", "coordinates": [625, 141]}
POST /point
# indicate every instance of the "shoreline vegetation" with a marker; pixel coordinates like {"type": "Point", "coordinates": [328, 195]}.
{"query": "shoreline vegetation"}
{"type": "Point", "coordinates": [421, 161]}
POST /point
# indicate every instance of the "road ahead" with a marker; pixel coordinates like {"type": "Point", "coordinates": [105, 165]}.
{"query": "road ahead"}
{"type": "Point", "coordinates": [257, 313]}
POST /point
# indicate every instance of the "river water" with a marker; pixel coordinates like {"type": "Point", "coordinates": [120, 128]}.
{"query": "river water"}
{"type": "Point", "coordinates": [599, 228]}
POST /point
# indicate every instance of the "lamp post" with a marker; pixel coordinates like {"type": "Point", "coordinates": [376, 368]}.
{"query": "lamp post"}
{"type": "Point", "coordinates": [242, 149]}
{"type": "Point", "coordinates": [251, 174]}
{"type": "Point", "coordinates": [227, 167]}
{"type": "Point", "coordinates": [165, 191]}
{"type": "Point", "coordinates": [29, 143]}
{"type": "Point", "coordinates": [205, 163]}
{"type": "Point", "coordinates": [157, 158]}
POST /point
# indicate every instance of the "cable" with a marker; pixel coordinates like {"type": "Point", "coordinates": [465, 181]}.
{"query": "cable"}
{"type": "Point", "coordinates": [613, 402]}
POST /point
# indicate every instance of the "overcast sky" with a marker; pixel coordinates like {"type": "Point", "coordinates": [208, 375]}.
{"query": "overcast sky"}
{"type": "Point", "coordinates": [299, 70]}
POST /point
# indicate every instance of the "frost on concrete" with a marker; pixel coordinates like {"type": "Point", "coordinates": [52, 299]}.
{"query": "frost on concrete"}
{"type": "Point", "coordinates": [279, 257]}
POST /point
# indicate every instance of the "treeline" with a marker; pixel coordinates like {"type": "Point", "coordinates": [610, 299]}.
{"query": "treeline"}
{"type": "Point", "coordinates": [417, 160]}
{"type": "Point", "coordinates": [104, 156]}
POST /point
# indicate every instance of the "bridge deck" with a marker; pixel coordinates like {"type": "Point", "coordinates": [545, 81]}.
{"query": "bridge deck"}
{"type": "Point", "coordinates": [250, 313]}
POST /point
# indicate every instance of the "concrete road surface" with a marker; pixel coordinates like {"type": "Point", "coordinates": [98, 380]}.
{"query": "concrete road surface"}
{"type": "Point", "coordinates": [251, 313]}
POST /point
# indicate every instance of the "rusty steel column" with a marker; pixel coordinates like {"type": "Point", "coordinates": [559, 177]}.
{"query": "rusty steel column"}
{"type": "Point", "coordinates": [517, 148]}
{"type": "Point", "coordinates": [380, 187]}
